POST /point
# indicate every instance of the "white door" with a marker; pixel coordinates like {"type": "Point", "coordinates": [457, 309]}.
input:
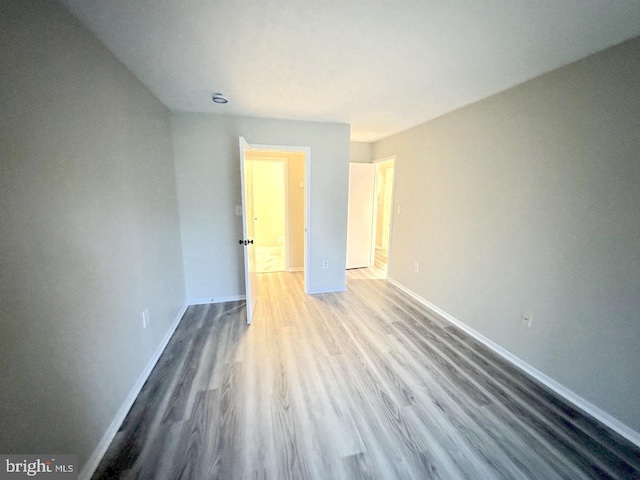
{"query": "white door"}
{"type": "Point", "coordinates": [360, 215]}
{"type": "Point", "coordinates": [248, 229]}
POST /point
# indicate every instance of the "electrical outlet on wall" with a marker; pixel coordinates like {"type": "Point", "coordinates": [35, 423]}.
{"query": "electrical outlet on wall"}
{"type": "Point", "coordinates": [527, 319]}
{"type": "Point", "coordinates": [325, 263]}
{"type": "Point", "coordinates": [415, 267]}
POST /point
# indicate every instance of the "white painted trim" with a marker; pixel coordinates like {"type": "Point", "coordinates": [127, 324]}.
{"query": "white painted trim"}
{"type": "Point", "coordinates": [383, 159]}
{"type": "Point", "coordinates": [94, 460]}
{"type": "Point", "coordinates": [287, 231]}
{"type": "Point", "coordinates": [307, 218]}
{"type": "Point", "coordinates": [296, 269]}
{"type": "Point", "coordinates": [341, 288]}
{"type": "Point", "coordinates": [393, 212]}
{"type": "Point", "coordinates": [389, 159]}
{"type": "Point", "coordinates": [374, 220]}
{"type": "Point", "coordinates": [572, 397]}
{"type": "Point", "coordinates": [374, 233]}
{"type": "Point", "coordinates": [206, 300]}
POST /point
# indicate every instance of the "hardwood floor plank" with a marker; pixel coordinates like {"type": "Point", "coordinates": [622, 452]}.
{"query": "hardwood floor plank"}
{"type": "Point", "coordinates": [549, 424]}
{"type": "Point", "coordinates": [530, 390]}
{"type": "Point", "coordinates": [450, 378]}
{"type": "Point", "coordinates": [379, 443]}
{"type": "Point", "coordinates": [359, 384]}
{"type": "Point", "coordinates": [481, 431]}
{"type": "Point", "coordinates": [357, 466]}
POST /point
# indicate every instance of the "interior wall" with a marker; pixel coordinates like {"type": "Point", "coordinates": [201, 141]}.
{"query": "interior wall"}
{"type": "Point", "coordinates": [528, 201]}
{"type": "Point", "coordinates": [90, 232]}
{"type": "Point", "coordinates": [360, 152]}
{"type": "Point", "coordinates": [208, 175]}
{"type": "Point", "coordinates": [296, 202]}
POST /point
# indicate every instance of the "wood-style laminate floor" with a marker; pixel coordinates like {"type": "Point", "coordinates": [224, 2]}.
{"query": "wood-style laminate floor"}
{"type": "Point", "coordinates": [377, 272]}
{"type": "Point", "coordinates": [361, 384]}
{"type": "Point", "coordinates": [270, 259]}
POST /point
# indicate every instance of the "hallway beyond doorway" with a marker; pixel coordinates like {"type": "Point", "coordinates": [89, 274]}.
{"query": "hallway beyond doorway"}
{"type": "Point", "coordinates": [279, 191]}
{"type": "Point", "coordinates": [270, 259]}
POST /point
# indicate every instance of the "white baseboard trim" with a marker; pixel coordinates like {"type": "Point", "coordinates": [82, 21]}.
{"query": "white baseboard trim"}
{"type": "Point", "coordinates": [572, 397]}
{"type": "Point", "coordinates": [296, 269]}
{"type": "Point", "coordinates": [206, 300]}
{"type": "Point", "coordinates": [89, 468]}
{"type": "Point", "coordinates": [341, 288]}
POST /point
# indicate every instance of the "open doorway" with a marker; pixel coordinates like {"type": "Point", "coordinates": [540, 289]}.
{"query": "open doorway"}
{"type": "Point", "coordinates": [270, 214]}
{"type": "Point", "coordinates": [370, 217]}
{"type": "Point", "coordinates": [383, 214]}
{"type": "Point", "coordinates": [279, 210]}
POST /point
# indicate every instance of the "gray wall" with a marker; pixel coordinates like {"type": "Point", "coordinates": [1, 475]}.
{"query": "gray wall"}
{"type": "Point", "coordinates": [529, 201]}
{"type": "Point", "coordinates": [208, 174]}
{"type": "Point", "coordinates": [360, 152]}
{"type": "Point", "coordinates": [89, 231]}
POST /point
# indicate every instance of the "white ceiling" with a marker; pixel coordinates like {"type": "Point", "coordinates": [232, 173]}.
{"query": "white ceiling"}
{"type": "Point", "coordinates": [382, 66]}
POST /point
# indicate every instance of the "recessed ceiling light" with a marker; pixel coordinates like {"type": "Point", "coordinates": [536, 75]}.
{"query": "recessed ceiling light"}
{"type": "Point", "coordinates": [219, 98]}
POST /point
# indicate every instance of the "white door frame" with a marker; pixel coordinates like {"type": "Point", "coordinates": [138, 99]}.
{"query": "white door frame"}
{"type": "Point", "coordinates": [286, 213]}
{"type": "Point", "coordinates": [307, 198]}
{"type": "Point", "coordinates": [390, 158]}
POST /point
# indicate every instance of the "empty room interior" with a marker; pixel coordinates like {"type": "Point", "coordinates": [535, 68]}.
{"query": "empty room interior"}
{"type": "Point", "coordinates": [327, 240]}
